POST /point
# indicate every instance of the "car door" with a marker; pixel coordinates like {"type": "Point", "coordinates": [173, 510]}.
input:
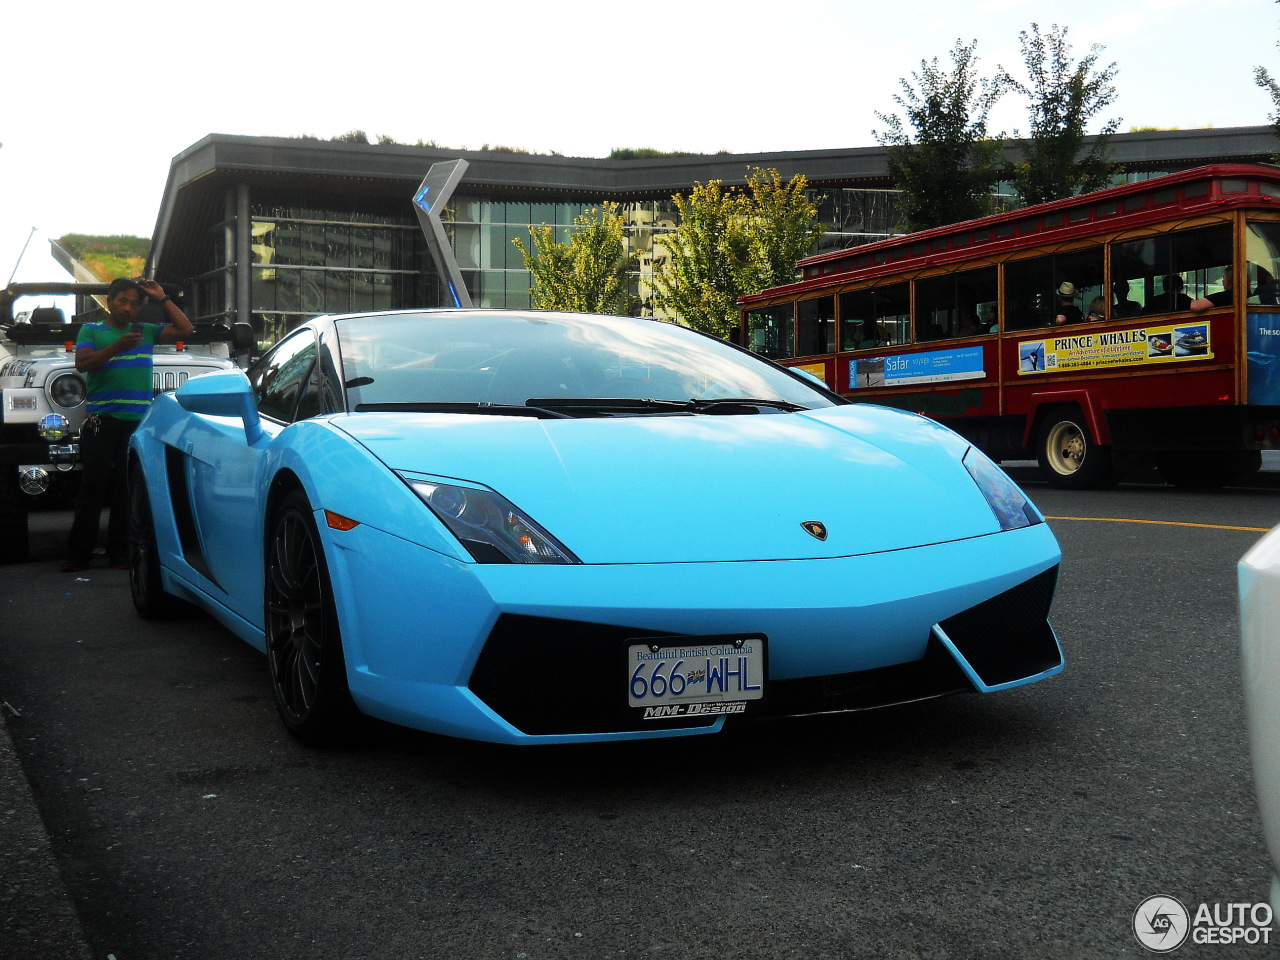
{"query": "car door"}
{"type": "Point", "coordinates": [226, 478]}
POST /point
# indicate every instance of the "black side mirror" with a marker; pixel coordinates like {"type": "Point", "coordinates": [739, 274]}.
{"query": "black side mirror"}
{"type": "Point", "coordinates": [243, 337]}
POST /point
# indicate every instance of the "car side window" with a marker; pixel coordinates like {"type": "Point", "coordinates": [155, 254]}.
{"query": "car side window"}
{"type": "Point", "coordinates": [283, 380]}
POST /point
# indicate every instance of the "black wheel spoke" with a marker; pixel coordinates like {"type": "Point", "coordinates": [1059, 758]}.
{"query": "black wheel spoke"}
{"type": "Point", "coordinates": [304, 651]}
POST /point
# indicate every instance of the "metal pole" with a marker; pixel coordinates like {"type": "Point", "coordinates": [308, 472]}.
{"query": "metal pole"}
{"type": "Point", "coordinates": [21, 255]}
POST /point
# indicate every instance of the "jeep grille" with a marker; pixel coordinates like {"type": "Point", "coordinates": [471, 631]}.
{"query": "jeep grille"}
{"type": "Point", "coordinates": [165, 380]}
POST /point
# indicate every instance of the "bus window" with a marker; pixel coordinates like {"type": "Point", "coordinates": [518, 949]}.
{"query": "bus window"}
{"type": "Point", "coordinates": [858, 328]}
{"type": "Point", "coordinates": [876, 317]}
{"type": "Point", "coordinates": [816, 326]}
{"type": "Point", "coordinates": [955, 304]}
{"type": "Point", "coordinates": [1032, 287]}
{"type": "Point", "coordinates": [977, 293]}
{"type": "Point", "coordinates": [770, 331]}
{"type": "Point", "coordinates": [1201, 257]}
{"type": "Point", "coordinates": [1262, 251]}
{"type": "Point", "coordinates": [1165, 273]}
{"type": "Point", "coordinates": [893, 311]}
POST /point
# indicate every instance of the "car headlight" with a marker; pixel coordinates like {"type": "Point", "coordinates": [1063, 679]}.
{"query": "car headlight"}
{"type": "Point", "coordinates": [53, 427]}
{"type": "Point", "coordinates": [492, 528]}
{"type": "Point", "coordinates": [67, 390]}
{"type": "Point", "coordinates": [1006, 501]}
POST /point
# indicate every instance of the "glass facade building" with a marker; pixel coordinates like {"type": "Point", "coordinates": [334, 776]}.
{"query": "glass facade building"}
{"type": "Point", "coordinates": [276, 231]}
{"type": "Point", "coordinates": [306, 261]}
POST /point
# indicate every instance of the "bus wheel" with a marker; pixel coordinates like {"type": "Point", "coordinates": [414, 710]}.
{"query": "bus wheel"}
{"type": "Point", "coordinates": [1068, 456]}
{"type": "Point", "coordinates": [1205, 470]}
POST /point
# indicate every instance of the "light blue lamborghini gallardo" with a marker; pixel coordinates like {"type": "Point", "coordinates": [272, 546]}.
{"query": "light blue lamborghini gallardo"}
{"type": "Point", "coordinates": [529, 527]}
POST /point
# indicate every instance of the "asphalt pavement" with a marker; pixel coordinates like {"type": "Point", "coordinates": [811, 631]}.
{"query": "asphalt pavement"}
{"type": "Point", "coordinates": [38, 920]}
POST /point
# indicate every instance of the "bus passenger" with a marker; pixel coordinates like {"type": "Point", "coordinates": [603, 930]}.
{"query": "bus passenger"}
{"type": "Point", "coordinates": [1223, 297]}
{"type": "Point", "coordinates": [1124, 307]}
{"type": "Point", "coordinates": [873, 335]}
{"type": "Point", "coordinates": [1172, 299]}
{"type": "Point", "coordinates": [1268, 290]}
{"type": "Point", "coordinates": [1023, 316]}
{"type": "Point", "coordinates": [1097, 309]}
{"type": "Point", "coordinates": [1068, 312]}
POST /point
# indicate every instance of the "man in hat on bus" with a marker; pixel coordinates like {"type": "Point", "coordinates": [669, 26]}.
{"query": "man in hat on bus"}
{"type": "Point", "coordinates": [1067, 311]}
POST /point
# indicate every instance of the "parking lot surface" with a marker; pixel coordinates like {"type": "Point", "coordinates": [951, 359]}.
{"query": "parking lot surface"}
{"type": "Point", "coordinates": [185, 823]}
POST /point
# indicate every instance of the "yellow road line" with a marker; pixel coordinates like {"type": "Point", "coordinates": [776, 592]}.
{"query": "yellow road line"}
{"type": "Point", "coordinates": [1165, 523]}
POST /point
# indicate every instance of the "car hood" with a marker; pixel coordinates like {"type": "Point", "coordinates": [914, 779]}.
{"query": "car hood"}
{"type": "Point", "coordinates": [652, 489]}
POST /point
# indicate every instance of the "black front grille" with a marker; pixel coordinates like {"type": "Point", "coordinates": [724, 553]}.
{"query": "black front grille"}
{"type": "Point", "coordinates": [937, 675]}
{"type": "Point", "coordinates": [546, 676]}
{"type": "Point", "coordinates": [1008, 637]}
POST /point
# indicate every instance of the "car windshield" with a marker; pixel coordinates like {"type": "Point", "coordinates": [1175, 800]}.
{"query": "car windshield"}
{"type": "Point", "coordinates": [510, 359]}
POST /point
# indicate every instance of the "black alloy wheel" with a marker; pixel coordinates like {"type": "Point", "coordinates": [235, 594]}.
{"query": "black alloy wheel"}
{"type": "Point", "coordinates": [304, 649]}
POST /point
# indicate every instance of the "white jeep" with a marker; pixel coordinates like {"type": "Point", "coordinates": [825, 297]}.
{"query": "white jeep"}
{"type": "Point", "coordinates": [42, 395]}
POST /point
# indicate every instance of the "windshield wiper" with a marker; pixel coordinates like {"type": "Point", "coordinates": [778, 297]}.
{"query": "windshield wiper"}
{"type": "Point", "coordinates": [492, 409]}
{"type": "Point", "coordinates": [717, 405]}
{"type": "Point", "coordinates": [710, 405]}
{"type": "Point", "coordinates": [608, 403]}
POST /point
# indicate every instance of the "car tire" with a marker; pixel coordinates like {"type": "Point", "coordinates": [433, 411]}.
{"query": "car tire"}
{"type": "Point", "coordinates": [1068, 456]}
{"type": "Point", "coordinates": [15, 539]}
{"type": "Point", "coordinates": [150, 598]}
{"type": "Point", "coordinates": [304, 647]}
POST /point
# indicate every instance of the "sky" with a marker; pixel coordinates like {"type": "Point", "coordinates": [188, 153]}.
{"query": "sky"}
{"type": "Point", "coordinates": [94, 106]}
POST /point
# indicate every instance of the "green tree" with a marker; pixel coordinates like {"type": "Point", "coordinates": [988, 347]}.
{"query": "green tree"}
{"type": "Point", "coordinates": [783, 227]}
{"type": "Point", "coordinates": [588, 273]}
{"type": "Point", "coordinates": [1262, 77]}
{"type": "Point", "coordinates": [1064, 97]}
{"type": "Point", "coordinates": [946, 163]}
{"type": "Point", "coordinates": [731, 242]}
{"type": "Point", "coordinates": [698, 280]}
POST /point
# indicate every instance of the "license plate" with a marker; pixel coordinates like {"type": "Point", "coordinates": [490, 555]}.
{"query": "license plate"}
{"type": "Point", "coordinates": [695, 676]}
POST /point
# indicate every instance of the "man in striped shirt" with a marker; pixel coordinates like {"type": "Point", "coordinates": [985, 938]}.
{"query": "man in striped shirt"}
{"type": "Point", "coordinates": [116, 357]}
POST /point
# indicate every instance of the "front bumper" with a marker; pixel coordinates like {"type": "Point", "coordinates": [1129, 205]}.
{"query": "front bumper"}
{"type": "Point", "coordinates": [521, 654]}
{"type": "Point", "coordinates": [37, 451]}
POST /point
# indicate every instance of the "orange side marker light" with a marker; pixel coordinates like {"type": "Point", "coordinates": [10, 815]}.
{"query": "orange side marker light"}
{"type": "Point", "coordinates": [337, 521]}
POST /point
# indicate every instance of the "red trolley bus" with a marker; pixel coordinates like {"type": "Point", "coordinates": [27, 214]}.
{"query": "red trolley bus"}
{"type": "Point", "coordinates": [1133, 327]}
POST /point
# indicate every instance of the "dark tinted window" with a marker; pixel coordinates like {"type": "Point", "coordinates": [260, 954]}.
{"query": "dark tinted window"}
{"type": "Point", "coordinates": [1163, 274]}
{"type": "Point", "coordinates": [816, 326]}
{"type": "Point", "coordinates": [284, 377]}
{"type": "Point", "coordinates": [956, 304]}
{"type": "Point", "coordinates": [1034, 288]}
{"type": "Point", "coordinates": [771, 331]}
{"type": "Point", "coordinates": [876, 317]}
